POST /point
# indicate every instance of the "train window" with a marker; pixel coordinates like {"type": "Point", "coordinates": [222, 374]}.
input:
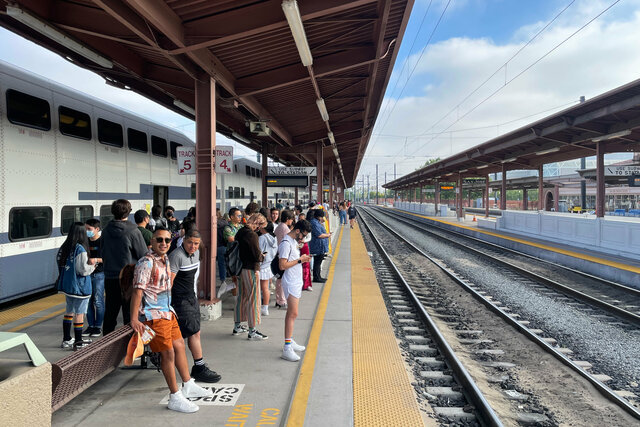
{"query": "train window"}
{"type": "Point", "coordinates": [258, 173]}
{"type": "Point", "coordinates": [253, 171]}
{"type": "Point", "coordinates": [71, 214]}
{"type": "Point", "coordinates": [242, 193]}
{"type": "Point", "coordinates": [236, 192]}
{"type": "Point", "coordinates": [235, 168]}
{"type": "Point", "coordinates": [217, 193]}
{"type": "Point", "coordinates": [158, 146]}
{"type": "Point", "coordinates": [110, 133]}
{"type": "Point", "coordinates": [30, 223]}
{"type": "Point", "coordinates": [174, 149]}
{"type": "Point", "coordinates": [137, 140]}
{"type": "Point", "coordinates": [74, 123]}
{"type": "Point", "coordinates": [193, 191]}
{"type": "Point", "coordinates": [105, 216]}
{"type": "Point", "coordinates": [27, 110]}
{"type": "Point", "coordinates": [248, 170]}
{"type": "Point", "coordinates": [230, 191]}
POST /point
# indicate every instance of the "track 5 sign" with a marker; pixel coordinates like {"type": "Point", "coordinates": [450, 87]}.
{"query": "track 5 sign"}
{"type": "Point", "coordinates": [187, 159]}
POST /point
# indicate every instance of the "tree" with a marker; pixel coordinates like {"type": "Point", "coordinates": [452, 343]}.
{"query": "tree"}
{"type": "Point", "coordinates": [429, 162]}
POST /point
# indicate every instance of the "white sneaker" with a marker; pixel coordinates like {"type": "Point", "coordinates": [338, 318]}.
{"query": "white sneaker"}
{"type": "Point", "coordinates": [289, 354]}
{"type": "Point", "coordinates": [191, 389]}
{"type": "Point", "coordinates": [264, 311]}
{"type": "Point", "coordinates": [177, 402]}
{"type": "Point", "coordinates": [68, 344]}
{"type": "Point", "coordinates": [297, 347]}
{"type": "Point", "coordinates": [222, 289]}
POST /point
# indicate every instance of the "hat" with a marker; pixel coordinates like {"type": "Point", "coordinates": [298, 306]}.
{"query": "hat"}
{"type": "Point", "coordinates": [135, 348]}
{"type": "Point", "coordinates": [312, 203]}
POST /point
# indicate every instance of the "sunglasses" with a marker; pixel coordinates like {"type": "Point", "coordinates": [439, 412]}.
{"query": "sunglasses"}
{"type": "Point", "coordinates": [301, 237]}
{"type": "Point", "coordinates": [163, 239]}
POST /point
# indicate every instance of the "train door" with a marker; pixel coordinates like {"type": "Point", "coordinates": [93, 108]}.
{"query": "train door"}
{"type": "Point", "coordinates": [160, 196]}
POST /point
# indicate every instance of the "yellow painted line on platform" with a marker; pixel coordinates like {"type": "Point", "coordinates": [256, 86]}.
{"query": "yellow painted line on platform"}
{"type": "Point", "coordinates": [37, 320]}
{"type": "Point", "coordinates": [382, 391]}
{"type": "Point", "coordinates": [298, 409]}
{"type": "Point", "coordinates": [578, 255]}
{"type": "Point", "coordinates": [25, 310]}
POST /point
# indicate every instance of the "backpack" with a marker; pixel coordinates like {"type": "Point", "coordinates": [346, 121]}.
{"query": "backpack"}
{"type": "Point", "coordinates": [232, 259]}
{"type": "Point", "coordinates": [126, 281]}
{"type": "Point", "coordinates": [275, 267]}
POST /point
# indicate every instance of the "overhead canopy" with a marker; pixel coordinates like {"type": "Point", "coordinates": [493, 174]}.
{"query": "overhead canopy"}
{"type": "Point", "coordinates": [157, 48]}
{"type": "Point", "coordinates": [611, 119]}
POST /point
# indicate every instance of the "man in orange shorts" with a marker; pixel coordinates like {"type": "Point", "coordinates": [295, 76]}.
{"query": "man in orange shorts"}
{"type": "Point", "coordinates": [151, 305]}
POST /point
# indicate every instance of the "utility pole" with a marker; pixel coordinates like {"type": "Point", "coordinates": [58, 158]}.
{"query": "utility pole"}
{"type": "Point", "coordinates": [368, 189]}
{"type": "Point", "coordinates": [377, 184]}
{"type": "Point", "coordinates": [385, 188]}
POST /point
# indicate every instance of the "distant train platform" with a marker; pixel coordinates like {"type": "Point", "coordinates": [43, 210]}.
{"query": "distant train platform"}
{"type": "Point", "coordinates": [579, 255]}
{"type": "Point", "coordinates": [351, 356]}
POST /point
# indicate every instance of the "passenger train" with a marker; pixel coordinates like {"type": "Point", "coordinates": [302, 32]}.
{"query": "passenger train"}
{"type": "Point", "coordinates": [65, 156]}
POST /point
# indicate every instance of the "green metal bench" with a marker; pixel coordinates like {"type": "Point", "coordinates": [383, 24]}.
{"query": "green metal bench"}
{"type": "Point", "coordinates": [13, 339]}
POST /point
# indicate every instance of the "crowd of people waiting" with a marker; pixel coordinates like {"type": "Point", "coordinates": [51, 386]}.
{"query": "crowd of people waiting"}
{"type": "Point", "coordinates": [163, 293]}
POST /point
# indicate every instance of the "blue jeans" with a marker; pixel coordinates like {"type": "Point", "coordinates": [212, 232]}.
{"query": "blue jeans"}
{"type": "Point", "coordinates": [95, 313]}
{"type": "Point", "coordinates": [343, 217]}
{"type": "Point", "coordinates": [222, 266]}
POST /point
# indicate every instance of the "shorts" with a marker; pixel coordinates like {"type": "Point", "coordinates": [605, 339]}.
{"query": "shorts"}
{"type": "Point", "coordinates": [76, 305]}
{"type": "Point", "coordinates": [293, 290]}
{"type": "Point", "coordinates": [265, 273]}
{"type": "Point", "coordinates": [166, 331]}
{"type": "Point", "coordinates": [188, 313]}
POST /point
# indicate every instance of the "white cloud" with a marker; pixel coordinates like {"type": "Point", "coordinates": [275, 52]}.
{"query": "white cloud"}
{"type": "Point", "coordinates": [599, 58]}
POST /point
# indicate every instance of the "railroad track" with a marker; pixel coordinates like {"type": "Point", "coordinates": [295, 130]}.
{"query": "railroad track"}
{"type": "Point", "coordinates": [548, 344]}
{"type": "Point", "coordinates": [621, 301]}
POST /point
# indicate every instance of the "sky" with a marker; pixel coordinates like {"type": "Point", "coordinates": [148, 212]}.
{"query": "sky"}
{"type": "Point", "coordinates": [467, 71]}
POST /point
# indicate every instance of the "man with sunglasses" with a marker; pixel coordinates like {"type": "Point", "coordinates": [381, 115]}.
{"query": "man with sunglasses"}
{"type": "Point", "coordinates": [151, 306]}
{"type": "Point", "coordinates": [291, 262]}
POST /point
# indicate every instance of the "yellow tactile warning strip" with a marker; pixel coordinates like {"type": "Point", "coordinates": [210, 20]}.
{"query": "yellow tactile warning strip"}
{"type": "Point", "coordinates": [28, 309]}
{"type": "Point", "coordinates": [382, 391]}
{"type": "Point", "coordinates": [578, 255]}
{"type": "Point", "coordinates": [298, 408]}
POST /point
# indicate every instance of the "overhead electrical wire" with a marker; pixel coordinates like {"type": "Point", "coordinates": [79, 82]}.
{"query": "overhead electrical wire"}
{"type": "Point", "coordinates": [522, 72]}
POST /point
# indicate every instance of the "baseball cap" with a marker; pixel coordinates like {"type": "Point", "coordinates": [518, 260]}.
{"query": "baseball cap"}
{"type": "Point", "coordinates": [135, 348]}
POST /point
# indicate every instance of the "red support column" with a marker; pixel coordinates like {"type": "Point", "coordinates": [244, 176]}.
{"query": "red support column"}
{"type": "Point", "coordinates": [503, 189]}
{"type": "Point", "coordinates": [320, 167]}
{"type": "Point", "coordinates": [265, 194]}
{"type": "Point", "coordinates": [486, 197]}
{"type": "Point", "coordinates": [206, 180]}
{"type": "Point", "coordinates": [540, 189]}
{"type": "Point", "coordinates": [600, 187]}
{"type": "Point", "coordinates": [556, 196]}
{"type": "Point", "coordinates": [331, 185]}
{"type": "Point", "coordinates": [525, 199]}
{"type": "Point", "coordinates": [436, 195]}
{"type": "Point", "coordinates": [421, 192]}
{"type": "Point", "coordinates": [296, 196]}
{"type": "Point", "coordinates": [460, 197]}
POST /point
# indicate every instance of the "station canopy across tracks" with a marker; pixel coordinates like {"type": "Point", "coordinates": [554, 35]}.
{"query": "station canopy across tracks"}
{"type": "Point", "coordinates": [609, 122]}
{"type": "Point", "coordinates": [311, 71]}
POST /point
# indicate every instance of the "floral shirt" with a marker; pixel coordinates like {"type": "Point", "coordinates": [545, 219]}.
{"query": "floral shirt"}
{"type": "Point", "coordinates": [230, 231]}
{"type": "Point", "coordinates": [153, 275]}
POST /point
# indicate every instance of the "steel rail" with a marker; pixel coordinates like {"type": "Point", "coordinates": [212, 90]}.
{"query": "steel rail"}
{"type": "Point", "coordinates": [473, 394]}
{"type": "Point", "coordinates": [601, 387]}
{"type": "Point", "coordinates": [617, 311]}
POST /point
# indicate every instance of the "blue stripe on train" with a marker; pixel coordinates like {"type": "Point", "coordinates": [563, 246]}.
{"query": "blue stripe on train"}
{"type": "Point", "coordinates": [146, 193]}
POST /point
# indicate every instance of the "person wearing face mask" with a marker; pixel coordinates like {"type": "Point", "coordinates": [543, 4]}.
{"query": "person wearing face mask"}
{"type": "Point", "coordinates": [173, 225]}
{"type": "Point", "coordinates": [291, 262]}
{"type": "Point", "coordinates": [95, 311]}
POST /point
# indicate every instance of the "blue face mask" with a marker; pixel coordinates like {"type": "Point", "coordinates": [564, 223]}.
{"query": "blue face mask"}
{"type": "Point", "coordinates": [91, 233]}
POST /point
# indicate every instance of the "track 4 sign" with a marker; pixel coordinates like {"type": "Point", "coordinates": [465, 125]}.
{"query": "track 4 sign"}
{"type": "Point", "coordinates": [187, 160]}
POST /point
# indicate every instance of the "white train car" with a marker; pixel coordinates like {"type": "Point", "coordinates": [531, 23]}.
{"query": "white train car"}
{"type": "Point", "coordinates": [65, 156]}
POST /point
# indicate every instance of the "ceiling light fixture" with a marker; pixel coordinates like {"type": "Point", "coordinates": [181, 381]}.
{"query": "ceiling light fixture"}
{"type": "Point", "coordinates": [482, 166]}
{"type": "Point", "coordinates": [512, 159]}
{"type": "Point", "coordinates": [550, 150]}
{"type": "Point", "coordinates": [612, 136]}
{"type": "Point", "coordinates": [323, 109]}
{"type": "Point", "coordinates": [46, 29]}
{"type": "Point", "coordinates": [331, 138]}
{"type": "Point", "coordinates": [292, 13]}
{"type": "Point", "coordinates": [184, 107]}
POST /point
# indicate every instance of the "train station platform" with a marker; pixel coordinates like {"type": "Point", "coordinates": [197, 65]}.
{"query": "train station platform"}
{"type": "Point", "coordinates": [578, 254]}
{"type": "Point", "coordinates": [351, 357]}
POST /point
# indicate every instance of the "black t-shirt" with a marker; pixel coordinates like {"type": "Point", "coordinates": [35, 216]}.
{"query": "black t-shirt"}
{"type": "Point", "coordinates": [186, 269]}
{"type": "Point", "coordinates": [352, 212]}
{"type": "Point", "coordinates": [95, 251]}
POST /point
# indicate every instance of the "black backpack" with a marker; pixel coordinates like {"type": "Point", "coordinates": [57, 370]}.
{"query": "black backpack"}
{"type": "Point", "coordinates": [275, 267]}
{"type": "Point", "coordinates": [232, 259]}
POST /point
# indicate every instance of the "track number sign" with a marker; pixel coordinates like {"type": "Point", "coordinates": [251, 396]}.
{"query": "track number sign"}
{"type": "Point", "coordinates": [187, 160]}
